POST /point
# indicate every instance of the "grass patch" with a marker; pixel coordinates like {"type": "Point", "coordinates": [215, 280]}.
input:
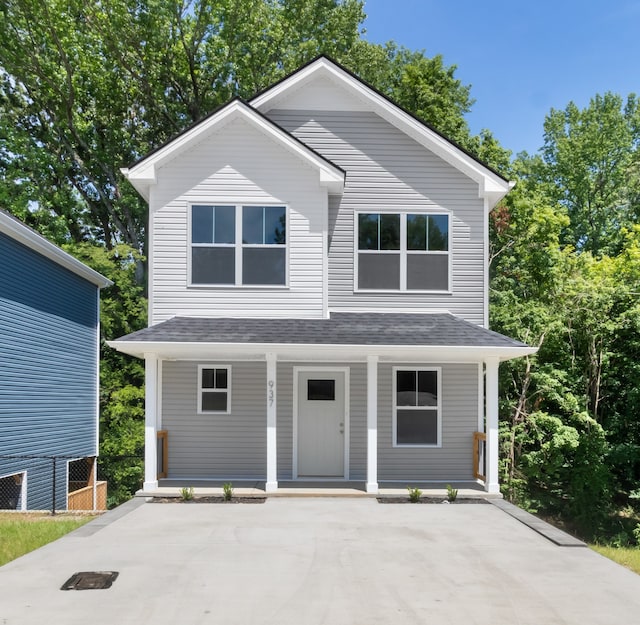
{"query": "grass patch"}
{"type": "Point", "coordinates": [627, 556]}
{"type": "Point", "coordinates": [22, 533]}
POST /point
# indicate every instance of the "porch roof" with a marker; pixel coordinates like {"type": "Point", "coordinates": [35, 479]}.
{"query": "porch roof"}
{"type": "Point", "coordinates": [355, 333]}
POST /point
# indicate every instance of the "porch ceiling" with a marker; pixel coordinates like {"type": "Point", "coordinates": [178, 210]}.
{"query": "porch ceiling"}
{"type": "Point", "coordinates": [344, 336]}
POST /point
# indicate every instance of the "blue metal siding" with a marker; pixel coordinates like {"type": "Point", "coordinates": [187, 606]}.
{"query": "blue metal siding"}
{"type": "Point", "coordinates": [48, 367]}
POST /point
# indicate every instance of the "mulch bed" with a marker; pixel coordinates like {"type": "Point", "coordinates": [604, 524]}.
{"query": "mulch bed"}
{"type": "Point", "coordinates": [209, 500]}
{"type": "Point", "coordinates": [442, 500]}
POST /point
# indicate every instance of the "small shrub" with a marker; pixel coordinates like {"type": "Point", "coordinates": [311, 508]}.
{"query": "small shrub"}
{"type": "Point", "coordinates": [636, 533]}
{"type": "Point", "coordinates": [227, 491]}
{"type": "Point", "coordinates": [452, 493]}
{"type": "Point", "coordinates": [620, 540]}
{"type": "Point", "coordinates": [186, 492]}
{"type": "Point", "coordinates": [414, 494]}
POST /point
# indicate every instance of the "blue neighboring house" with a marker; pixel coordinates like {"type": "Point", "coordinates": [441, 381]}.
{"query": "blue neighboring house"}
{"type": "Point", "coordinates": [49, 355]}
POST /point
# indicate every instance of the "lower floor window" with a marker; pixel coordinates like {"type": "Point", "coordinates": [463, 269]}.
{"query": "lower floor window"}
{"type": "Point", "coordinates": [416, 407]}
{"type": "Point", "coordinates": [214, 389]}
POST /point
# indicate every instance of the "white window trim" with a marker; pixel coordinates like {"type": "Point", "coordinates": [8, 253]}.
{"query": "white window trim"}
{"type": "Point", "coordinates": [403, 252]}
{"type": "Point", "coordinates": [438, 408]}
{"type": "Point", "coordinates": [238, 246]}
{"type": "Point", "coordinates": [201, 390]}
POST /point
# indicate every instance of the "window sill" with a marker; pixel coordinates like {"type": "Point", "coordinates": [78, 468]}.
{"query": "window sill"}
{"type": "Point", "coordinates": [239, 287]}
{"type": "Point", "coordinates": [407, 292]}
{"type": "Point", "coordinates": [401, 446]}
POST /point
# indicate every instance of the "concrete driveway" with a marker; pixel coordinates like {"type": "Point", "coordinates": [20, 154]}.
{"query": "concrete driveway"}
{"type": "Point", "coordinates": [306, 561]}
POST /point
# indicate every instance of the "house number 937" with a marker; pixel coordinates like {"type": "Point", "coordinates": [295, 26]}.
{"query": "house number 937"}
{"type": "Point", "coordinates": [271, 393]}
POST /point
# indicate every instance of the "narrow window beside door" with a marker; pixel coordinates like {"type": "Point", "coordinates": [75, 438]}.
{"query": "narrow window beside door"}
{"type": "Point", "coordinates": [214, 389]}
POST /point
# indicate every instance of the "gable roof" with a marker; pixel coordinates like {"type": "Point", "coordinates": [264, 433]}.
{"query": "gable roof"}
{"type": "Point", "coordinates": [142, 174]}
{"type": "Point", "coordinates": [14, 228]}
{"type": "Point", "coordinates": [443, 335]}
{"type": "Point", "coordinates": [492, 185]}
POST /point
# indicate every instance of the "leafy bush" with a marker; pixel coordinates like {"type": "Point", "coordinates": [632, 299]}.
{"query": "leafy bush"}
{"type": "Point", "coordinates": [227, 491]}
{"type": "Point", "coordinates": [452, 493]}
{"type": "Point", "coordinates": [414, 494]}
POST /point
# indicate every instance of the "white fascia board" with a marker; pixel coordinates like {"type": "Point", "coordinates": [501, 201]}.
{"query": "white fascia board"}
{"type": "Point", "coordinates": [252, 351]}
{"type": "Point", "coordinates": [36, 242]}
{"type": "Point", "coordinates": [491, 186]}
{"type": "Point", "coordinates": [143, 175]}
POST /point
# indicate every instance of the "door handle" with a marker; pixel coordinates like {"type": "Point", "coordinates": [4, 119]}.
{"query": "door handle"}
{"type": "Point", "coordinates": [342, 428]}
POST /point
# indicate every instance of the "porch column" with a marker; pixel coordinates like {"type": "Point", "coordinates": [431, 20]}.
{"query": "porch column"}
{"type": "Point", "coordinates": [272, 413]}
{"type": "Point", "coordinates": [150, 422]}
{"type": "Point", "coordinates": [372, 424]}
{"type": "Point", "coordinates": [491, 484]}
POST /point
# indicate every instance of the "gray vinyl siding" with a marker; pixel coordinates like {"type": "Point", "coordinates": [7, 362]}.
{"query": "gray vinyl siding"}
{"type": "Point", "coordinates": [284, 423]}
{"type": "Point", "coordinates": [233, 446]}
{"type": "Point", "coordinates": [237, 166]}
{"type": "Point", "coordinates": [387, 170]}
{"type": "Point", "coordinates": [215, 446]}
{"type": "Point", "coordinates": [48, 369]}
{"type": "Point", "coordinates": [451, 462]}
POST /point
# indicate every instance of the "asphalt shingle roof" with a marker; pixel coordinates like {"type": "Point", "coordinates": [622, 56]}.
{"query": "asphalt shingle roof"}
{"type": "Point", "coordinates": [340, 329]}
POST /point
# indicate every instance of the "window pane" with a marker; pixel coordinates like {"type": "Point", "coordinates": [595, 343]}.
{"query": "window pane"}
{"type": "Point", "coordinates": [275, 225]}
{"type": "Point", "coordinates": [379, 271]}
{"type": "Point", "coordinates": [202, 224]}
{"type": "Point", "coordinates": [225, 226]}
{"type": "Point", "coordinates": [389, 232]}
{"type": "Point", "coordinates": [252, 224]}
{"type": "Point", "coordinates": [416, 232]}
{"type": "Point", "coordinates": [439, 233]}
{"type": "Point", "coordinates": [428, 272]}
{"type": "Point", "coordinates": [417, 427]}
{"type": "Point", "coordinates": [405, 388]}
{"type": "Point", "coordinates": [221, 378]}
{"type": "Point", "coordinates": [368, 231]}
{"type": "Point", "coordinates": [213, 265]}
{"type": "Point", "coordinates": [208, 378]}
{"type": "Point", "coordinates": [321, 390]}
{"type": "Point", "coordinates": [263, 265]}
{"type": "Point", "coordinates": [214, 401]}
{"type": "Point", "coordinates": [427, 388]}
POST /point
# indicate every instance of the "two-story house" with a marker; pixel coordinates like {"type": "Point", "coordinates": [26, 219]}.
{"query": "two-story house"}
{"type": "Point", "coordinates": [318, 294]}
{"type": "Point", "coordinates": [49, 355]}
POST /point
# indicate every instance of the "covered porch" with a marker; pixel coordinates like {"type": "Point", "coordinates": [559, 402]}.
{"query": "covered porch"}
{"type": "Point", "coordinates": [363, 358]}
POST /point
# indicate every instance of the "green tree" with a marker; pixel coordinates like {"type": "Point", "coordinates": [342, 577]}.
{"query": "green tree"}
{"type": "Point", "coordinates": [122, 310]}
{"type": "Point", "coordinates": [86, 88]}
{"type": "Point", "coordinates": [591, 157]}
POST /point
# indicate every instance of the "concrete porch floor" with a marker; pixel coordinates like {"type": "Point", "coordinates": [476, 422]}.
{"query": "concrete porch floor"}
{"type": "Point", "coordinates": [303, 488]}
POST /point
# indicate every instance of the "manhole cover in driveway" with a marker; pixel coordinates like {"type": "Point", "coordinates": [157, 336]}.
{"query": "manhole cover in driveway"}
{"type": "Point", "coordinates": [90, 580]}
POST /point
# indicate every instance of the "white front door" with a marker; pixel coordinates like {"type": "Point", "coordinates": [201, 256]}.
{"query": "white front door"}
{"type": "Point", "coordinates": [321, 423]}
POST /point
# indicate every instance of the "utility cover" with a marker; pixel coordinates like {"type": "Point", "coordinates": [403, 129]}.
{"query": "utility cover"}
{"type": "Point", "coordinates": [90, 580]}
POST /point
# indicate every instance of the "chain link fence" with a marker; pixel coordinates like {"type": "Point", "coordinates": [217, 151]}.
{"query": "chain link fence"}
{"type": "Point", "coordinates": [64, 483]}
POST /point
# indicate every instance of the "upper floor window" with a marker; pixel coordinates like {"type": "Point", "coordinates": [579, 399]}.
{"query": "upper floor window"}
{"type": "Point", "coordinates": [402, 252]}
{"type": "Point", "coordinates": [238, 245]}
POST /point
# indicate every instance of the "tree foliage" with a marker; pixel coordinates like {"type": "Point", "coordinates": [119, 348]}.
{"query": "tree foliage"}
{"type": "Point", "coordinates": [565, 277]}
{"type": "Point", "coordinates": [591, 157]}
{"type": "Point", "coordinates": [87, 88]}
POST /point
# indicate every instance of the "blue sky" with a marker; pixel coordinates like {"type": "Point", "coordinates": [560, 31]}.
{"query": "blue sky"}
{"type": "Point", "coordinates": [521, 58]}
